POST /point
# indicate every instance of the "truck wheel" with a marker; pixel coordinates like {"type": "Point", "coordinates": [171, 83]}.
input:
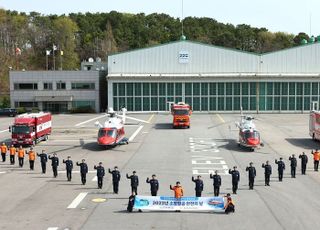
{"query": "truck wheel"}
{"type": "Point", "coordinates": [313, 137]}
{"type": "Point", "coordinates": [46, 137]}
{"type": "Point", "coordinates": [252, 149]}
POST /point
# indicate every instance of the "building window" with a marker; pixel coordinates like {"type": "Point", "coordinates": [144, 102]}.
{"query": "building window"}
{"type": "Point", "coordinates": [26, 104]}
{"type": "Point", "coordinates": [47, 86]}
{"type": "Point", "coordinates": [61, 85]}
{"type": "Point", "coordinates": [82, 85]}
{"type": "Point", "coordinates": [25, 86]}
{"type": "Point", "coordinates": [83, 104]}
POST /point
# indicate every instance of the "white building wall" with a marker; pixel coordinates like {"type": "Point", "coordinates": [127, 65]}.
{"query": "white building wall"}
{"type": "Point", "coordinates": [301, 59]}
{"type": "Point", "coordinates": [165, 59]}
{"type": "Point", "coordinates": [54, 77]}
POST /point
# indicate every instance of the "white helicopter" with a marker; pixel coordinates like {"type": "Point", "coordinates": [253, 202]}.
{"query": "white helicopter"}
{"type": "Point", "coordinates": [112, 132]}
{"type": "Point", "coordinates": [249, 136]}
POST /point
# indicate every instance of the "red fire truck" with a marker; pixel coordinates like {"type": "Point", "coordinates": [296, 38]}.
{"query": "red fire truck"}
{"type": "Point", "coordinates": [314, 121]}
{"type": "Point", "coordinates": [30, 128]}
{"type": "Point", "coordinates": [181, 114]}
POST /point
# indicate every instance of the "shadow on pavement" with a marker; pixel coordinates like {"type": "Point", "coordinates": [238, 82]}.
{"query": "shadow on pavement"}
{"type": "Point", "coordinates": [306, 143]}
{"type": "Point", "coordinates": [163, 126]}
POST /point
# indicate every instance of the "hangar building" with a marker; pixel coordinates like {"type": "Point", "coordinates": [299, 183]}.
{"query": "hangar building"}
{"type": "Point", "coordinates": [215, 79]}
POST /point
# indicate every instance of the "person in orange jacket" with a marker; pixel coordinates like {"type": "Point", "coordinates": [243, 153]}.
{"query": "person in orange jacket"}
{"type": "Point", "coordinates": [12, 151]}
{"type": "Point", "coordinates": [178, 190]}
{"type": "Point", "coordinates": [229, 206]}
{"type": "Point", "coordinates": [4, 150]}
{"type": "Point", "coordinates": [32, 157]}
{"type": "Point", "coordinates": [21, 153]}
{"type": "Point", "coordinates": [316, 158]}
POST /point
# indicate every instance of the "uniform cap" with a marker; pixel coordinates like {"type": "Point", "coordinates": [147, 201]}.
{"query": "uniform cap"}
{"type": "Point", "coordinates": [134, 172]}
{"type": "Point", "coordinates": [153, 174]}
{"type": "Point", "coordinates": [178, 182]}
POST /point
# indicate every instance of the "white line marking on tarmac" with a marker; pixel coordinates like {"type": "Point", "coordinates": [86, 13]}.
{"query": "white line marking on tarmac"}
{"type": "Point", "coordinates": [2, 131]}
{"type": "Point", "coordinates": [135, 133]}
{"type": "Point", "coordinates": [77, 200]}
{"type": "Point", "coordinates": [87, 121]}
{"type": "Point", "coordinates": [3, 172]}
{"type": "Point", "coordinates": [95, 178]}
{"type": "Point", "coordinates": [53, 228]}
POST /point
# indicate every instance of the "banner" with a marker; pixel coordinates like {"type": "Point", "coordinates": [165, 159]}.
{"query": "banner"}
{"type": "Point", "coordinates": [184, 203]}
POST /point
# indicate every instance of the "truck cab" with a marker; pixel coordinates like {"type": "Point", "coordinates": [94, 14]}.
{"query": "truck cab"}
{"type": "Point", "coordinates": [181, 115]}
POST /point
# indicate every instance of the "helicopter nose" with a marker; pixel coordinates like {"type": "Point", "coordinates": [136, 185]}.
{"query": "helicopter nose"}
{"type": "Point", "coordinates": [106, 140]}
{"type": "Point", "coordinates": [253, 141]}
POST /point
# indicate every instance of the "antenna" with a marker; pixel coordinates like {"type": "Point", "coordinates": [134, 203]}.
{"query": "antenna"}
{"type": "Point", "coordinates": [182, 18]}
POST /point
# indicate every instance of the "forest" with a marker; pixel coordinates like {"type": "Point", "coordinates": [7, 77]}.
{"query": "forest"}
{"type": "Point", "coordinates": [28, 41]}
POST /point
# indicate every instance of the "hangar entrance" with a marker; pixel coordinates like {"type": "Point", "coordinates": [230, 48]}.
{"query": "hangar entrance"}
{"type": "Point", "coordinates": [217, 96]}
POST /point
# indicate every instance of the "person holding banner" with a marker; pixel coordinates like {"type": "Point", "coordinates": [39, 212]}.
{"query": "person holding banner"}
{"type": "Point", "coordinates": [235, 179]}
{"type": "Point", "coordinates": [252, 174]}
{"type": "Point", "coordinates": [216, 182]}
{"type": "Point", "coordinates": [178, 190]}
{"type": "Point", "coordinates": [229, 207]}
{"type": "Point", "coordinates": [131, 202]}
{"type": "Point", "coordinates": [154, 185]}
{"type": "Point", "coordinates": [199, 185]}
{"type": "Point", "coordinates": [134, 182]}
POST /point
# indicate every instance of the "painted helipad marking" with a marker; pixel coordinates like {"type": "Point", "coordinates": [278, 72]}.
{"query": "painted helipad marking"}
{"type": "Point", "coordinates": [95, 178]}
{"type": "Point", "coordinates": [6, 130]}
{"type": "Point", "coordinates": [149, 120]}
{"type": "Point", "coordinates": [3, 172]}
{"type": "Point", "coordinates": [87, 121]}
{"type": "Point", "coordinates": [53, 228]}
{"type": "Point", "coordinates": [77, 200]}
{"type": "Point", "coordinates": [135, 133]}
{"type": "Point", "coordinates": [99, 200]}
{"type": "Point", "coordinates": [220, 118]}
{"type": "Point", "coordinates": [203, 163]}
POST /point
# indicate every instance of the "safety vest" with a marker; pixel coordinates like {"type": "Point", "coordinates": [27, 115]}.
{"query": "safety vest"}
{"type": "Point", "coordinates": [316, 156]}
{"type": "Point", "coordinates": [21, 153]}
{"type": "Point", "coordinates": [32, 155]}
{"type": "Point", "coordinates": [4, 149]}
{"type": "Point", "coordinates": [12, 150]}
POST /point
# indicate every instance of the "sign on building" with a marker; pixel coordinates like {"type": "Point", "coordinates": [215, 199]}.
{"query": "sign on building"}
{"type": "Point", "coordinates": [184, 57]}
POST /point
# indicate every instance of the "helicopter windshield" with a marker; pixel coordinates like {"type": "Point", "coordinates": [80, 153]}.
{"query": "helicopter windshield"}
{"type": "Point", "coordinates": [249, 134]}
{"type": "Point", "coordinates": [109, 133]}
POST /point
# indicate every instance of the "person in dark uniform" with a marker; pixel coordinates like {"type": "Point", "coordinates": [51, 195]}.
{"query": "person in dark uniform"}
{"type": "Point", "coordinates": [304, 162]}
{"type": "Point", "coordinates": [134, 182]}
{"type": "Point", "coordinates": [281, 168]}
{"type": "Point", "coordinates": [216, 183]}
{"type": "Point", "coordinates": [293, 165]}
{"type": "Point", "coordinates": [54, 164]}
{"type": "Point", "coordinates": [131, 202]}
{"type": "Point", "coordinates": [69, 167]}
{"type": "Point", "coordinates": [267, 173]}
{"type": "Point", "coordinates": [83, 171]}
{"type": "Point", "coordinates": [235, 179]}
{"type": "Point", "coordinates": [100, 174]}
{"type": "Point", "coordinates": [154, 185]}
{"type": "Point", "coordinates": [199, 185]}
{"type": "Point", "coordinates": [115, 179]}
{"type": "Point", "coordinates": [43, 160]}
{"type": "Point", "coordinates": [252, 174]}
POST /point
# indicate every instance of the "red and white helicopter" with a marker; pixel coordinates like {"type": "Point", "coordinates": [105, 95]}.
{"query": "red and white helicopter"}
{"type": "Point", "coordinates": [112, 133]}
{"type": "Point", "coordinates": [249, 136]}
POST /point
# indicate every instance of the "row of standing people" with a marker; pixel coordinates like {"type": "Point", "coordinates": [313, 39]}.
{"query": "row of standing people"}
{"type": "Point", "coordinates": [268, 169]}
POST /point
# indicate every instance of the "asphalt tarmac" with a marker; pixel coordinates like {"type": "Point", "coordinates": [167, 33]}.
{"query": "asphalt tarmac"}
{"type": "Point", "coordinates": [32, 200]}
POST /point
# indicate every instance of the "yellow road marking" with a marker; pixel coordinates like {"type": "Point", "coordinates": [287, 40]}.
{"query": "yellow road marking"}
{"type": "Point", "coordinates": [149, 120]}
{"type": "Point", "coordinates": [99, 200]}
{"type": "Point", "coordinates": [220, 118]}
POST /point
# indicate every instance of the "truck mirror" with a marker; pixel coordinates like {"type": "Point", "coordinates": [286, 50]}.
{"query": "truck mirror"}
{"type": "Point", "coordinates": [10, 129]}
{"type": "Point", "coordinates": [33, 129]}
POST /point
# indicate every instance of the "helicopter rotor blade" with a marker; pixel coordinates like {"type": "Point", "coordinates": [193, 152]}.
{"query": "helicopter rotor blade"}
{"type": "Point", "coordinates": [135, 119]}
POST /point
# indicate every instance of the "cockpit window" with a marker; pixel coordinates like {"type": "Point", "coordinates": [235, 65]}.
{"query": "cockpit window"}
{"type": "Point", "coordinates": [249, 134]}
{"type": "Point", "coordinates": [109, 133]}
